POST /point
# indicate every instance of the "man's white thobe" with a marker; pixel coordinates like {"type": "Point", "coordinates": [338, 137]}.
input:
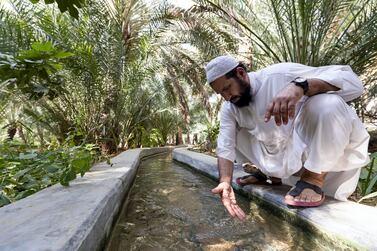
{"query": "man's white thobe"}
{"type": "Point", "coordinates": [325, 136]}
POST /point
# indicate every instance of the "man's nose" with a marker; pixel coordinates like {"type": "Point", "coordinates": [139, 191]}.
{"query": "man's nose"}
{"type": "Point", "coordinates": [226, 96]}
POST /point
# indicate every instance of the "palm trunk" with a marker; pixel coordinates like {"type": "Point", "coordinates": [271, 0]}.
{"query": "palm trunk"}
{"type": "Point", "coordinates": [179, 139]}
{"type": "Point", "coordinates": [188, 141]}
{"type": "Point", "coordinates": [12, 130]}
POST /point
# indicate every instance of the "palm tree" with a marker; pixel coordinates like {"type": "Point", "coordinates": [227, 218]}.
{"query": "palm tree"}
{"type": "Point", "coordinates": [182, 45]}
{"type": "Point", "coordinates": [125, 54]}
{"type": "Point", "coordinates": [309, 32]}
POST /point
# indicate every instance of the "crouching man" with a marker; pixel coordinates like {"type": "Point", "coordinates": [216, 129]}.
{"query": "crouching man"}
{"type": "Point", "coordinates": [314, 134]}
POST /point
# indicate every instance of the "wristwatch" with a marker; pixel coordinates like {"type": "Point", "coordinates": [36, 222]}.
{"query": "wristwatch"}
{"type": "Point", "coordinates": [303, 83]}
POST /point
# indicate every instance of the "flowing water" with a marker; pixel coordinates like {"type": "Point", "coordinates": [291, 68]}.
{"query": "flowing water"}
{"type": "Point", "coordinates": [171, 207]}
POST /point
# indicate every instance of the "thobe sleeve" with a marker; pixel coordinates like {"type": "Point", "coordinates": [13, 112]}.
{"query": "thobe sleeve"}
{"type": "Point", "coordinates": [341, 76]}
{"type": "Point", "coordinates": [226, 141]}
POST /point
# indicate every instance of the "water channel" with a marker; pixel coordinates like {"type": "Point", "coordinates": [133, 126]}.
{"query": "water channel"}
{"type": "Point", "coordinates": [170, 207]}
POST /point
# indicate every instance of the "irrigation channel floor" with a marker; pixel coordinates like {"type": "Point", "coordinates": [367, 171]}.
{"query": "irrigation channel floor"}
{"type": "Point", "coordinates": [171, 207]}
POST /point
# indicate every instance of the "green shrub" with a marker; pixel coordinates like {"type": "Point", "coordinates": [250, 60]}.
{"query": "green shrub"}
{"type": "Point", "coordinates": [212, 132]}
{"type": "Point", "coordinates": [368, 179]}
{"type": "Point", "coordinates": [24, 170]}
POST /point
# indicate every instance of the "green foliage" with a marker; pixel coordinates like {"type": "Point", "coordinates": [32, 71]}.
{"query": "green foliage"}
{"type": "Point", "coordinates": [165, 123]}
{"type": "Point", "coordinates": [110, 93]}
{"type": "Point", "coordinates": [71, 6]}
{"type": "Point", "coordinates": [310, 32]}
{"type": "Point", "coordinates": [34, 71]}
{"type": "Point", "coordinates": [25, 170]}
{"type": "Point", "coordinates": [368, 179]}
{"type": "Point", "coordinates": [124, 70]}
{"type": "Point", "coordinates": [133, 65]}
{"type": "Point", "coordinates": [212, 132]}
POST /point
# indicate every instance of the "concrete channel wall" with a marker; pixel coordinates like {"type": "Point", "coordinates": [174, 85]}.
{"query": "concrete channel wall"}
{"type": "Point", "coordinates": [344, 225]}
{"type": "Point", "coordinates": [78, 217]}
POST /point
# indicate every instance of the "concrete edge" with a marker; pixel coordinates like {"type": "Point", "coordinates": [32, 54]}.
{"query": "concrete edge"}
{"type": "Point", "coordinates": [101, 229]}
{"type": "Point", "coordinates": [348, 224]}
{"type": "Point", "coordinates": [78, 217]}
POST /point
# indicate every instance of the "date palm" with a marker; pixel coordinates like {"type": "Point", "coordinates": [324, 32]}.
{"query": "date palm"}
{"type": "Point", "coordinates": [182, 47]}
{"type": "Point", "coordinates": [309, 32]}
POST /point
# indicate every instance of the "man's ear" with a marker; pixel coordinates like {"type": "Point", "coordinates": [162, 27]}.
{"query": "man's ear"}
{"type": "Point", "coordinates": [241, 73]}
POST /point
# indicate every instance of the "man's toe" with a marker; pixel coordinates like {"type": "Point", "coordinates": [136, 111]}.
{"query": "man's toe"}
{"type": "Point", "coordinates": [300, 198]}
{"type": "Point", "coordinates": [289, 197]}
{"type": "Point", "coordinates": [310, 199]}
{"type": "Point", "coordinates": [316, 198]}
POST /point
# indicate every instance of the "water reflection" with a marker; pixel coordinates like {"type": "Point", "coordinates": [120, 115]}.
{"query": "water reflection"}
{"type": "Point", "coordinates": [171, 208]}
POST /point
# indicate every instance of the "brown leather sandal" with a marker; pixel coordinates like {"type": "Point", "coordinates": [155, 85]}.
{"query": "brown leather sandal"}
{"type": "Point", "coordinates": [262, 179]}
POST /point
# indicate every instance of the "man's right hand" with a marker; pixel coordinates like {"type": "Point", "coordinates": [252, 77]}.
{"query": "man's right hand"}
{"type": "Point", "coordinates": [225, 190]}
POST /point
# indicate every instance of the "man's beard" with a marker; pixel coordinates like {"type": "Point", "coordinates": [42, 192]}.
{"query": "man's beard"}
{"type": "Point", "coordinates": [245, 98]}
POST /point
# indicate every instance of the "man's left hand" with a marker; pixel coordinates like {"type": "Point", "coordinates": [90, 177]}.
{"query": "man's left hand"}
{"type": "Point", "coordinates": [283, 105]}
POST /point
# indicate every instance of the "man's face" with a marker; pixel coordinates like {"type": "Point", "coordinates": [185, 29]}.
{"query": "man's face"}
{"type": "Point", "coordinates": [236, 89]}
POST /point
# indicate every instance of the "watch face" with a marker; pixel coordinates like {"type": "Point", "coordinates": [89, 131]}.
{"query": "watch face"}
{"type": "Point", "coordinates": [300, 79]}
{"type": "Point", "coordinates": [303, 83]}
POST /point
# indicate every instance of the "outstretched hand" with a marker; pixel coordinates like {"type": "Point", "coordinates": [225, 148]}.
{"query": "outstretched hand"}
{"type": "Point", "coordinates": [283, 105]}
{"type": "Point", "coordinates": [228, 198]}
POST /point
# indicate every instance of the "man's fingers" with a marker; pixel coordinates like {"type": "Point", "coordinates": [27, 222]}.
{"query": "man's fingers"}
{"type": "Point", "coordinates": [228, 199]}
{"type": "Point", "coordinates": [235, 208]}
{"type": "Point", "coordinates": [225, 193]}
{"type": "Point", "coordinates": [216, 190]}
{"type": "Point", "coordinates": [238, 212]}
{"type": "Point", "coordinates": [291, 109]}
{"type": "Point", "coordinates": [284, 112]}
{"type": "Point", "coordinates": [269, 111]}
{"type": "Point", "coordinates": [276, 113]}
{"type": "Point", "coordinates": [232, 197]}
{"type": "Point", "coordinates": [230, 210]}
{"type": "Point", "coordinates": [228, 205]}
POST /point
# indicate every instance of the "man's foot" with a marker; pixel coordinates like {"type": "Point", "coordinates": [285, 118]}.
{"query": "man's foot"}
{"type": "Point", "coordinates": [249, 167]}
{"type": "Point", "coordinates": [308, 191]}
{"type": "Point", "coordinates": [257, 178]}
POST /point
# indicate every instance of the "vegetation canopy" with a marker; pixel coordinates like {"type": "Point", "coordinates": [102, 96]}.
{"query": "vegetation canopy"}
{"type": "Point", "coordinates": [82, 80]}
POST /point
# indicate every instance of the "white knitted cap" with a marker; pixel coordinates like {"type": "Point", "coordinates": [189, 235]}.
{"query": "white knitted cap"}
{"type": "Point", "coordinates": [220, 66]}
